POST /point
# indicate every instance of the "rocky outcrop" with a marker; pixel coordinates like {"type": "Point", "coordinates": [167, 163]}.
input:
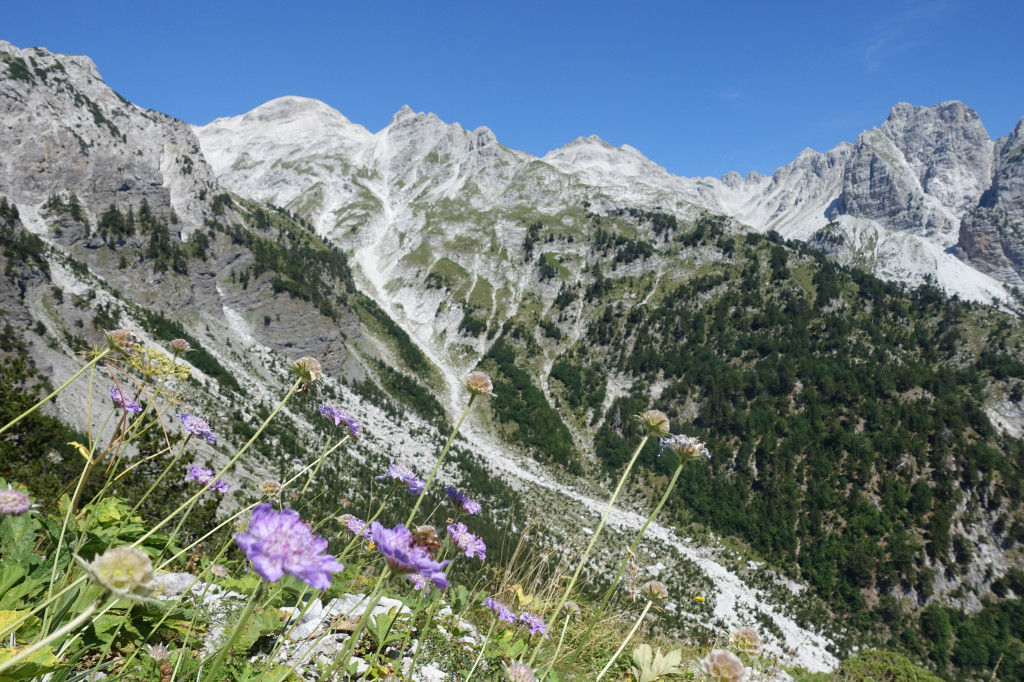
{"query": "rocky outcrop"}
{"type": "Point", "coordinates": [992, 233]}
{"type": "Point", "coordinates": [921, 171]}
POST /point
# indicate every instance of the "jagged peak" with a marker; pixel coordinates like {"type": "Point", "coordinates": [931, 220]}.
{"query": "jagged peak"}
{"type": "Point", "coordinates": [291, 107]}
{"type": "Point", "coordinates": [80, 61]}
{"type": "Point", "coordinates": [406, 115]}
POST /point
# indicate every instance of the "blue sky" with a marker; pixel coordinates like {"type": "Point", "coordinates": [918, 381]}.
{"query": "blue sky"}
{"type": "Point", "coordinates": [700, 88]}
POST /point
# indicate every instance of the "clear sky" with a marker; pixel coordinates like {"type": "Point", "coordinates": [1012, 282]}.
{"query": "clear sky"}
{"type": "Point", "coordinates": [701, 88]}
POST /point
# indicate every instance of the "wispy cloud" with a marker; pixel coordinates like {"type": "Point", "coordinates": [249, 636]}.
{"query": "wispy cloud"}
{"type": "Point", "coordinates": [901, 32]}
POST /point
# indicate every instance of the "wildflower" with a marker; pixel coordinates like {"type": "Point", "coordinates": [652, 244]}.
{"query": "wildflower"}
{"type": "Point", "coordinates": [125, 572]}
{"type": "Point", "coordinates": [279, 543]}
{"type": "Point", "coordinates": [462, 501]}
{"type": "Point", "coordinates": [684, 447]}
{"type": "Point", "coordinates": [572, 608]}
{"type": "Point", "coordinates": [356, 525]}
{"type": "Point", "coordinates": [655, 590]}
{"type": "Point", "coordinates": [519, 672]}
{"type": "Point", "coordinates": [180, 346]}
{"type": "Point", "coordinates": [271, 489]}
{"type": "Point", "coordinates": [120, 340]}
{"type": "Point", "coordinates": [340, 416]}
{"type": "Point", "coordinates": [723, 666]}
{"type": "Point", "coordinates": [197, 426]}
{"type": "Point", "coordinates": [535, 623]}
{"type": "Point", "coordinates": [747, 640]}
{"type": "Point", "coordinates": [297, 464]}
{"type": "Point", "coordinates": [13, 502]}
{"type": "Point", "coordinates": [404, 475]}
{"type": "Point", "coordinates": [419, 582]}
{"type": "Point", "coordinates": [655, 422]}
{"type": "Point", "coordinates": [404, 557]}
{"type": "Point", "coordinates": [219, 571]}
{"type": "Point", "coordinates": [478, 383]}
{"type": "Point", "coordinates": [121, 401]}
{"type": "Point", "coordinates": [308, 369]}
{"type": "Point", "coordinates": [699, 598]}
{"type": "Point", "coordinates": [467, 542]}
{"type": "Point", "coordinates": [504, 613]}
{"type": "Point", "coordinates": [158, 652]}
{"type": "Point", "coordinates": [205, 477]}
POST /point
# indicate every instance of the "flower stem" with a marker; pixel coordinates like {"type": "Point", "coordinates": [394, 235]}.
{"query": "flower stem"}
{"type": "Point", "coordinates": [625, 560]}
{"type": "Point", "coordinates": [636, 626]}
{"type": "Point", "coordinates": [49, 397]}
{"type": "Point", "coordinates": [243, 618]}
{"type": "Point", "coordinates": [440, 459]}
{"type": "Point", "coordinates": [593, 540]}
{"type": "Point", "coordinates": [483, 648]}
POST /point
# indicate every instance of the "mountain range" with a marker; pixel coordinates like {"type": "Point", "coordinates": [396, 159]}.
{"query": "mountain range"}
{"type": "Point", "coordinates": [590, 283]}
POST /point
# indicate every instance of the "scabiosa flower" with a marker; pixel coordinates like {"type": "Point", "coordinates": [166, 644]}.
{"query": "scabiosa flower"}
{"type": "Point", "coordinates": [198, 426]}
{"type": "Point", "coordinates": [356, 525]}
{"type": "Point", "coordinates": [219, 571]}
{"type": "Point", "coordinates": [723, 666]}
{"type": "Point", "coordinates": [122, 401]}
{"type": "Point", "coordinates": [572, 608]}
{"type": "Point", "coordinates": [419, 582]}
{"type": "Point", "coordinates": [462, 501]}
{"type": "Point", "coordinates": [271, 489]}
{"type": "Point", "coordinates": [120, 340]}
{"type": "Point", "coordinates": [297, 464]}
{"type": "Point", "coordinates": [504, 613]}
{"type": "Point", "coordinates": [279, 543]}
{"type": "Point", "coordinates": [205, 476]}
{"type": "Point", "coordinates": [684, 447]}
{"type": "Point", "coordinates": [404, 475]}
{"type": "Point", "coordinates": [655, 422]}
{"type": "Point", "coordinates": [467, 542]}
{"type": "Point", "coordinates": [180, 346]}
{"type": "Point", "coordinates": [519, 672]}
{"type": "Point", "coordinates": [404, 556]}
{"type": "Point", "coordinates": [158, 652]}
{"type": "Point", "coordinates": [126, 572]}
{"type": "Point", "coordinates": [340, 416]}
{"type": "Point", "coordinates": [747, 640]}
{"type": "Point", "coordinates": [308, 369]}
{"type": "Point", "coordinates": [479, 383]}
{"type": "Point", "coordinates": [535, 623]}
{"type": "Point", "coordinates": [13, 502]}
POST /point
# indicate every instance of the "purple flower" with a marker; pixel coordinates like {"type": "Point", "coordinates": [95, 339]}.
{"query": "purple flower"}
{"type": "Point", "coordinates": [13, 502]}
{"type": "Point", "coordinates": [462, 501]}
{"type": "Point", "coordinates": [356, 525]}
{"type": "Point", "coordinates": [404, 556]}
{"type": "Point", "coordinates": [469, 543]}
{"type": "Point", "coordinates": [204, 477]}
{"type": "Point", "coordinates": [279, 543]}
{"type": "Point", "coordinates": [504, 612]}
{"type": "Point", "coordinates": [419, 582]}
{"type": "Point", "coordinates": [198, 426]}
{"type": "Point", "coordinates": [684, 447]}
{"type": "Point", "coordinates": [296, 463]}
{"type": "Point", "coordinates": [340, 416]}
{"type": "Point", "coordinates": [124, 402]}
{"type": "Point", "coordinates": [535, 623]}
{"type": "Point", "coordinates": [403, 474]}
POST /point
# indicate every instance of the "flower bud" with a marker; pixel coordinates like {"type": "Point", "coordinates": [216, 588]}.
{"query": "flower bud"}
{"type": "Point", "coordinates": [747, 640]}
{"type": "Point", "coordinates": [655, 590]}
{"type": "Point", "coordinates": [271, 489]}
{"type": "Point", "coordinates": [308, 369]}
{"type": "Point", "coordinates": [120, 340]}
{"type": "Point", "coordinates": [519, 672]}
{"type": "Point", "coordinates": [180, 346]}
{"type": "Point", "coordinates": [723, 666]}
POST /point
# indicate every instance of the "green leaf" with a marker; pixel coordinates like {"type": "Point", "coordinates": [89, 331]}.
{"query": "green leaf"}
{"type": "Point", "coordinates": [36, 665]}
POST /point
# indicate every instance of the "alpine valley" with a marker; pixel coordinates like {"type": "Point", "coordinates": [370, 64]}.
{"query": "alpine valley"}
{"type": "Point", "coordinates": [845, 335]}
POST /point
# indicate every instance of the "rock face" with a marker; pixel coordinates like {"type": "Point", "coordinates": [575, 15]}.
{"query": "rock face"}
{"type": "Point", "coordinates": [66, 130]}
{"type": "Point", "coordinates": [992, 234]}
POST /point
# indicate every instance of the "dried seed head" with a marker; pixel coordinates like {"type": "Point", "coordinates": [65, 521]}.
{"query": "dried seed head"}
{"type": "Point", "coordinates": [478, 383]}
{"type": "Point", "coordinates": [158, 652]}
{"type": "Point", "coordinates": [655, 590]}
{"type": "Point", "coordinates": [747, 640]}
{"type": "Point", "coordinates": [655, 422]}
{"type": "Point", "coordinates": [180, 346]}
{"type": "Point", "coordinates": [685, 448]}
{"type": "Point", "coordinates": [271, 489]}
{"type": "Point", "coordinates": [519, 672]}
{"type": "Point", "coordinates": [120, 340]}
{"type": "Point", "coordinates": [723, 666]}
{"type": "Point", "coordinates": [126, 572]}
{"type": "Point", "coordinates": [308, 369]}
